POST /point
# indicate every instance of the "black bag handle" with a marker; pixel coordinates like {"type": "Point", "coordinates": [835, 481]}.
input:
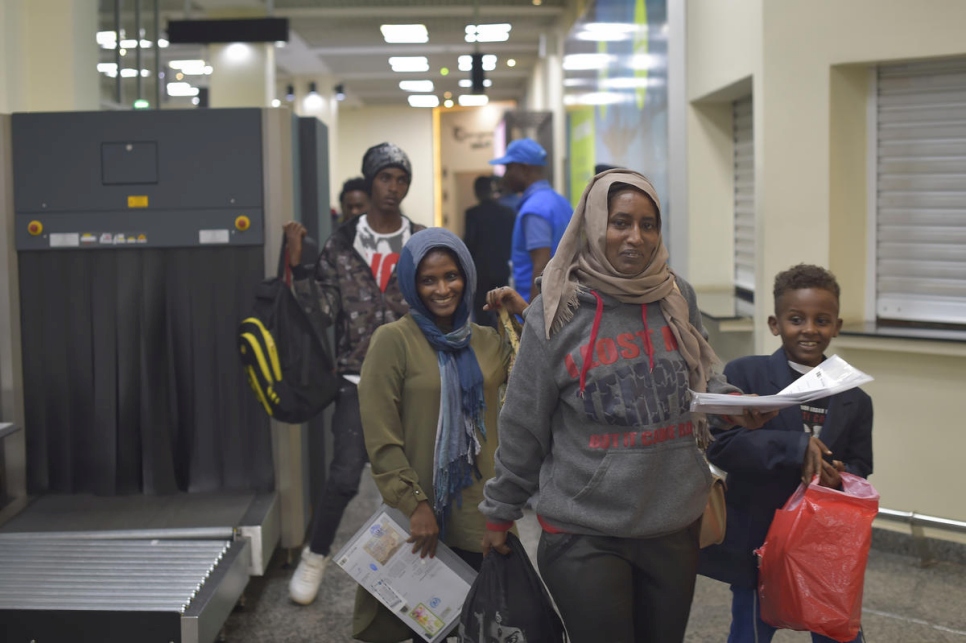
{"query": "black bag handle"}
{"type": "Point", "coordinates": [309, 248]}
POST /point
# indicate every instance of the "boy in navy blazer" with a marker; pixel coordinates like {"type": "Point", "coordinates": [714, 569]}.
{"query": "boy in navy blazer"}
{"type": "Point", "coordinates": [766, 465]}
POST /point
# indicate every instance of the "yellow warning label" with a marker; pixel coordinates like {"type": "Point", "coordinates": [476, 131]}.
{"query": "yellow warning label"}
{"type": "Point", "coordinates": [137, 202]}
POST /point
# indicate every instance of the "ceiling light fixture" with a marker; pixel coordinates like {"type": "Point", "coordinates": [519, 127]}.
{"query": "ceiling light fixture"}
{"type": "Point", "coordinates": [424, 100]}
{"type": "Point", "coordinates": [405, 64]}
{"type": "Point", "coordinates": [511, 62]}
{"type": "Point", "coordinates": [606, 32]}
{"type": "Point", "coordinates": [466, 83]}
{"type": "Point", "coordinates": [488, 33]}
{"type": "Point", "coordinates": [448, 103]}
{"type": "Point", "coordinates": [582, 62]}
{"type": "Point", "coordinates": [290, 93]}
{"type": "Point", "coordinates": [466, 62]}
{"type": "Point", "coordinates": [416, 85]}
{"type": "Point", "coordinates": [404, 33]}
{"type": "Point", "coordinates": [339, 91]}
{"type": "Point", "coordinates": [473, 100]}
{"type": "Point", "coordinates": [276, 102]}
{"type": "Point", "coordinates": [180, 89]}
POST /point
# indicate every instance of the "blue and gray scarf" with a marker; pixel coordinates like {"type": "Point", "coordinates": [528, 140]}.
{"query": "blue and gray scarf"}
{"type": "Point", "coordinates": [461, 405]}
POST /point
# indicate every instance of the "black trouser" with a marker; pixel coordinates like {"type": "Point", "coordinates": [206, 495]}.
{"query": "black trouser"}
{"type": "Point", "coordinates": [349, 459]}
{"type": "Point", "coordinates": [621, 590]}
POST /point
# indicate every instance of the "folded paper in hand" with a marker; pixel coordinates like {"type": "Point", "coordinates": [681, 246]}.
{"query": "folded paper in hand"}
{"type": "Point", "coordinates": [832, 376]}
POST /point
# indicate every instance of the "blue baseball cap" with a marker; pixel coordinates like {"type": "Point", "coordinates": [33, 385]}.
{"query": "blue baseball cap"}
{"type": "Point", "coordinates": [525, 150]}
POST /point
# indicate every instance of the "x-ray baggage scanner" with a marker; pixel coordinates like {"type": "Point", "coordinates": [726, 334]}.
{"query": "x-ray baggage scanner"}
{"type": "Point", "coordinates": [142, 483]}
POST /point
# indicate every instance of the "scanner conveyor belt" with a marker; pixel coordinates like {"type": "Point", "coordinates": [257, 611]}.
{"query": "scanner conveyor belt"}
{"type": "Point", "coordinates": [84, 589]}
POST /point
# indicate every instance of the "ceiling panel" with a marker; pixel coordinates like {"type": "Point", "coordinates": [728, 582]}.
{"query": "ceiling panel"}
{"type": "Point", "coordinates": [341, 39]}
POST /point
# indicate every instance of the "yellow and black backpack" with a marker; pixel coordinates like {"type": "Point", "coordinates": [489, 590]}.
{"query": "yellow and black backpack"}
{"type": "Point", "coordinates": [285, 356]}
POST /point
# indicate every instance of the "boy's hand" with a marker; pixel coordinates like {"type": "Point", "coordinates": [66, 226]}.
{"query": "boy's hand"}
{"type": "Point", "coordinates": [752, 418]}
{"type": "Point", "coordinates": [829, 477]}
{"type": "Point", "coordinates": [424, 530]}
{"type": "Point", "coordinates": [812, 465]}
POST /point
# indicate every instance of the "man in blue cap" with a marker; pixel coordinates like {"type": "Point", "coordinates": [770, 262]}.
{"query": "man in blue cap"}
{"type": "Point", "coordinates": [542, 215]}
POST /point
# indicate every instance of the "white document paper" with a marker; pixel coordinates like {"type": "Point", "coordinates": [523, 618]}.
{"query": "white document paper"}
{"type": "Point", "coordinates": [426, 593]}
{"type": "Point", "coordinates": [832, 376]}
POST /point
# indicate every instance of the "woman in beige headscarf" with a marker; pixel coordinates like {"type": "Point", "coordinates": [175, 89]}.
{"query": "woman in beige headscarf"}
{"type": "Point", "coordinates": [596, 427]}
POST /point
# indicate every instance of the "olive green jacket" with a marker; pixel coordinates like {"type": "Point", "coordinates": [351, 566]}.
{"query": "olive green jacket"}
{"type": "Point", "coordinates": [399, 395]}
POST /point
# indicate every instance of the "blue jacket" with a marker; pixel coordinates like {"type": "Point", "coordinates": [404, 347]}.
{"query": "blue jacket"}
{"type": "Point", "coordinates": [541, 200]}
{"type": "Point", "coordinates": [765, 465]}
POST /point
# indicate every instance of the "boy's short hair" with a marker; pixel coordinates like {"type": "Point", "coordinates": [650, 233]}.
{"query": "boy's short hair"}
{"type": "Point", "coordinates": [805, 276]}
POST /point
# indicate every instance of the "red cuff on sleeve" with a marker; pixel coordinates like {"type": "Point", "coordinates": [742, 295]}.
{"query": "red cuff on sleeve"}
{"type": "Point", "coordinates": [498, 526]}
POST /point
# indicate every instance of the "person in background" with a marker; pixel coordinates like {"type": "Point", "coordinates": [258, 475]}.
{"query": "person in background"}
{"type": "Point", "coordinates": [430, 398]}
{"type": "Point", "coordinates": [542, 215]}
{"type": "Point", "coordinates": [596, 425]}
{"type": "Point", "coordinates": [823, 437]}
{"type": "Point", "coordinates": [354, 287]}
{"type": "Point", "coordinates": [354, 199]}
{"type": "Point", "coordinates": [488, 236]}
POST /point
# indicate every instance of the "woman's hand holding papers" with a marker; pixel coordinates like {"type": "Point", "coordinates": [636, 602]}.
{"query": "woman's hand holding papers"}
{"type": "Point", "coordinates": [423, 530]}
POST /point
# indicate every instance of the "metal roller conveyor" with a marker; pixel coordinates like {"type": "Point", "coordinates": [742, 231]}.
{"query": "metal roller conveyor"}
{"type": "Point", "coordinates": [180, 589]}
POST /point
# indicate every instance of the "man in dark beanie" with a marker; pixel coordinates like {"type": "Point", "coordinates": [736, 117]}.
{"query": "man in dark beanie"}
{"type": "Point", "coordinates": [354, 287]}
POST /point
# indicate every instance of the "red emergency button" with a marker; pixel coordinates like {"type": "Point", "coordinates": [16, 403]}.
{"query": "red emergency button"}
{"type": "Point", "coordinates": [35, 228]}
{"type": "Point", "coordinates": [243, 223]}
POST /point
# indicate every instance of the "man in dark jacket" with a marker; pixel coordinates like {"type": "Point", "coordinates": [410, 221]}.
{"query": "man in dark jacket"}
{"type": "Point", "coordinates": [489, 235]}
{"type": "Point", "coordinates": [354, 287]}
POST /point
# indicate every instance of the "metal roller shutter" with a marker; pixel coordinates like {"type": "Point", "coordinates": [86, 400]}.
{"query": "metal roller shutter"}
{"type": "Point", "coordinates": [744, 180]}
{"type": "Point", "coordinates": [920, 192]}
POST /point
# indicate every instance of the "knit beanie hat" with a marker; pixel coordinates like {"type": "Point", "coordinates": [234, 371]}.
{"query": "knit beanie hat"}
{"type": "Point", "coordinates": [379, 157]}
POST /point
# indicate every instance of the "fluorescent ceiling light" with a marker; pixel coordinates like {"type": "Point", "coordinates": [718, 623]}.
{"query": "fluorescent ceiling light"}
{"type": "Point", "coordinates": [488, 33]}
{"type": "Point", "coordinates": [597, 98]}
{"type": "Point", "coordinates": [416, 85]}
{"type": "Point", "coordinates": [409, 63]}
{"type": "Point", "coordinates": [405, 33]}
{"type": "Point", "coordinates": [645, 61]}
{"type": "Point", "coordinates": [579, 62]}
{"type": "Point", "coordinates": [608, 31]}
{"type": "Point", "coordinates": [466, 62]}
{"type": "Point", "coordinates": [424, 100]}
{"type": "Point", "coordinates": [466, 82]}
{"type": "Point", "coordinates": [577, 82]}
{"type": "Point", "coordinates": [473, 100]}
{"type": "Point", "coordinates": [630, 83]}
{"type": "Point", "coordinates": [181, 89]}
{"type": "Point", "coordinates": [106, 39]}
{"type": "Point", "coordinates": [191, 67]}
{"type": "Point", "coordinates": [107, 68]}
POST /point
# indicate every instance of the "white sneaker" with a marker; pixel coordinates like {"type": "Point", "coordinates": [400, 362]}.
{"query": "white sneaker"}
{"type": "Point", "coordinates": [307, 577]}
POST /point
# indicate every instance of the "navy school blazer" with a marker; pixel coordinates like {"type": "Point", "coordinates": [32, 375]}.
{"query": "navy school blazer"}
{"type": "Point", "coordinates": [765, 465]}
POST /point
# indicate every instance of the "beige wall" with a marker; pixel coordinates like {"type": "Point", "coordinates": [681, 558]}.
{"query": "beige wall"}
{"type": "Point", "coordinates": [807, 63]}
{"type": "Point", "coordinates": [35, 73]}
{"type": "Point", "coordinates": [411, 129]}
{"type": "Point", "coordinates": [466, 148]}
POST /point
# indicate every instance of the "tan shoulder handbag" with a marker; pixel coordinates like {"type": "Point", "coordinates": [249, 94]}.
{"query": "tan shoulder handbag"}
{"type": "Point", "coordinates": [714, 520]}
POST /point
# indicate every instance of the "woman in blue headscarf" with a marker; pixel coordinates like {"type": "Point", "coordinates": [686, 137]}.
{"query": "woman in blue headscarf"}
{"type": "Point", "coordinates": [429, 394]}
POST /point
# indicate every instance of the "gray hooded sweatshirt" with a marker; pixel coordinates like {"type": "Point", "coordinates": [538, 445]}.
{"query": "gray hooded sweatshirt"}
{"type": "Point", "coordinates": [617, 459]}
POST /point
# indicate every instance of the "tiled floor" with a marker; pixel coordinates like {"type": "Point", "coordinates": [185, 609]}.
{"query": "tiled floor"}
{"type": "Point", "coordinates": [903, 603]}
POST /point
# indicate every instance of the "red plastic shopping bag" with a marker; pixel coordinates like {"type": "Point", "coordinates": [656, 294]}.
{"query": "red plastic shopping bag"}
{"type": "Point", "coordinates": [812, 564]}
